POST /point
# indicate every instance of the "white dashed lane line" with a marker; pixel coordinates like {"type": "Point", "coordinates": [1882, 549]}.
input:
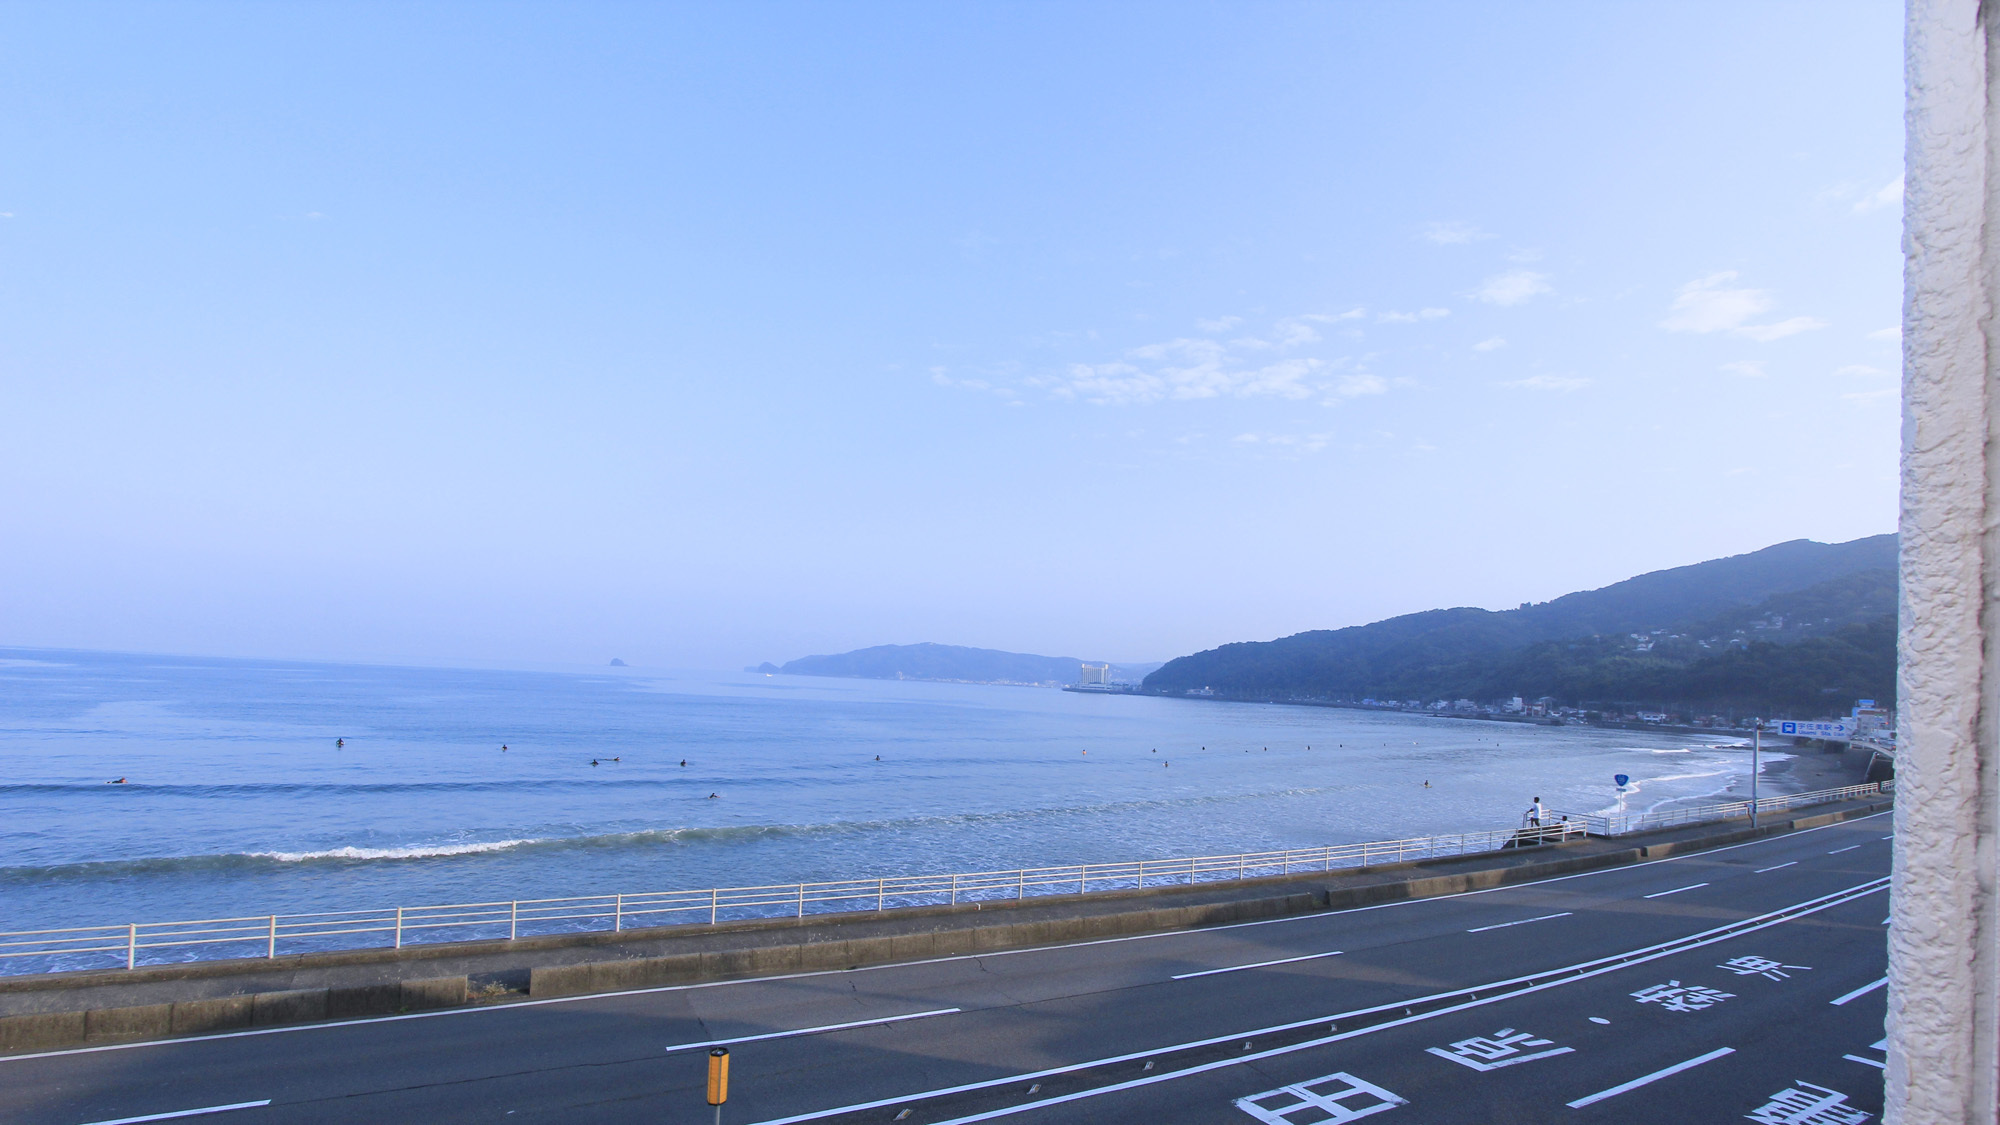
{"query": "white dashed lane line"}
{"type": "Point", "coordinates": [1788, 863]}
{"type": "Point", "coordinates": [1653, 1077]}
{"type": "Point", "coordinates": [1676, 890]}
{"type": "Point", "coordinates": [1522, 922]}
{"type": "Point", "coordinates": [182, 1113]}
{"type": "Point", "coordinates": [1258, 965]}
{"type": "Point", "coordinates": [1860, 992]}
{"type": "Point", "coordinates": [1848, 848]}
{"type": "Point", "coordinates": [812, 1030]}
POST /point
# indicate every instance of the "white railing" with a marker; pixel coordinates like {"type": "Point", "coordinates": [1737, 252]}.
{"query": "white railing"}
{"type": "Point", "coordinates": [134, 944]}
{"type": "Point", "coordinates": [1623, 823]}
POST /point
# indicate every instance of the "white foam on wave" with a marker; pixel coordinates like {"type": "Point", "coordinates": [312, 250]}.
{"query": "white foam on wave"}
{"type": "Point", "coordinates": [414, 851]}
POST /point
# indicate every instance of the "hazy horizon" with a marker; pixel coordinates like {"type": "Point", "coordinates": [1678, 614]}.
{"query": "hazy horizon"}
{"type": "Point", "coordinates": [702, 336]}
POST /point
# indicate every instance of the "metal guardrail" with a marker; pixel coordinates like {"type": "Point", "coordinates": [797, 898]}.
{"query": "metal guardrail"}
{"type": "Point", "coordinates": [141, 943]}
{"type": "Point", "coordinates": [1621, 824]}
{"type": "Point", "coordinates": [133, 944]}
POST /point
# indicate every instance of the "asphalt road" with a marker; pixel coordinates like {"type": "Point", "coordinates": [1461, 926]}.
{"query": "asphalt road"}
{"type": "Point", "coordinates": [1738, 982]}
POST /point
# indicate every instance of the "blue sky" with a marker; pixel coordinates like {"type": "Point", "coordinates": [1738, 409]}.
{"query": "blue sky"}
{"type": "Point", "coordinates": [703, 335]}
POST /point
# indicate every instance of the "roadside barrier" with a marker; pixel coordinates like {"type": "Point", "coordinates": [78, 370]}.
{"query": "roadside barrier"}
{"type": "Point", "coordinates": [136, 944]}
{"type": "Point", "coordinates": [1625, 823]}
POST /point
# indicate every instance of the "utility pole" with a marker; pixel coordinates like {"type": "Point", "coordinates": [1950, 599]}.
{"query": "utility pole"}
{"type": "Point", "coordinates": [1756, 757]}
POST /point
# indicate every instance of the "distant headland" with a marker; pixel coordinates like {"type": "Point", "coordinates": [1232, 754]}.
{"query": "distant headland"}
{"type": "Point", "coordinates": [953, 664]}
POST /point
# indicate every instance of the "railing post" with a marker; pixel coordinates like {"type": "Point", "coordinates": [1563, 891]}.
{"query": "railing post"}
{"type": "Point", "coordinates": [399, 927]}
{"type": "Point", "coordinates": [802, 900]}
{"type": "Point", "coordinates": [618, 914]}
{"type": "Point", "coordinates": [1190, 870]}
{"type": "Point", "coordinates": [513, 919]}
{"type": "Point", "coordinates": [1082, 878]}
{"type": "Point", "coordinates": [879, 885]}
{"type": "Point", "coordinates": [271, 950]}
{"type": "Point", "coordinates": [714, 901]}
{"type": "Point", "coordinates": [132, 946]}
{"type": "Point", "coordinates": [1142, 874]}
{"type": "Point", "coordinates": [954, 890]}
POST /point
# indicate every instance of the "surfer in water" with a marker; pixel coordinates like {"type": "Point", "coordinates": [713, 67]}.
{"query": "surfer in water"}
{"type": "Point", "coordinates": [684, 763]}
{"type": "Point", "coordinates": [120, 781]}
{"type": "Point", "coordinates": [714, 796]}
{"type": "Point", "coordinates": [593, 761]}
{"type": "Point", "coordinates": [339, 743]}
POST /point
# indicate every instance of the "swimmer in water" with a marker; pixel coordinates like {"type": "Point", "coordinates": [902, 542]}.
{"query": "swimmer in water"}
{"type": "Point", "coordinates": [503, 748]}
{"type": "Point", "coordinates": [593, 761]}
{"type": "Point", "coordinates": [1427, 785]}
{"type": "Point", "coordinates": [713, 796]}
{"type": "Point", "coordinates": [684, 763]}
{"type": "Point", "coordinates": [120, 781]}
{"type": "Point", "coordinates": [339, 742]}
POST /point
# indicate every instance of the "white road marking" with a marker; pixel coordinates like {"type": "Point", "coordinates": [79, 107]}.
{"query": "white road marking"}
{"type": "Point", "coordinates": [1584, 970]}
{"type": "Point", "coordinates": [515, 1005]}
{"type": "Point", "coordinates": [1867, 1062]}
{"type": "Point", "coordinates": [1522, 922]}
{"type": "Point", "coordinates": [1676, 890]}
{"type": "Point", "coordinates": [1788, 863]}
{"type": "Point", "coordinates": [1848, 848]}
{"type": "Point", "coordinates": [1890, 836]}
{"type": "Point", "coordinates": [182, 1113]}
{"type": "Point", "coordinates": [1653, 1077]}
{"type": "Point", "coordinates": [812, 1030]}
{"type": "Point", "coordinates": [1258, 965]}
{"type": "Point", "coordinates": [1599, 1019]}
{"type": "Point", "coordinates": [1862, 991]}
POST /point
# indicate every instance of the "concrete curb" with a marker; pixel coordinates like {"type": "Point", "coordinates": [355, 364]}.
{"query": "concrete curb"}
{"type": "Point", "coordinates": [960, 931]}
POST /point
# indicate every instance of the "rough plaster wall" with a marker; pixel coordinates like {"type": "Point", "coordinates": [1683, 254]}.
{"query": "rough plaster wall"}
{"type": "Point", "coordinates": [1941, 996]}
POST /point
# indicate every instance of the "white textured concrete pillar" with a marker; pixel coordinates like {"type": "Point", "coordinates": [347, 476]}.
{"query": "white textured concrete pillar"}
{"type": "Point", "coordinates": [1942, 942]}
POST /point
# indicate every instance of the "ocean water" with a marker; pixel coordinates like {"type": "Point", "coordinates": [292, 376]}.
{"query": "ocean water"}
{"type": "Point", "coordinates": [237, 801]}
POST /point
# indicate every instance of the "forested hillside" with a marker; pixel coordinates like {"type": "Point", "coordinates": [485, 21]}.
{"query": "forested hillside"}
{"type": "Point", "coordinates": [1797, 625]}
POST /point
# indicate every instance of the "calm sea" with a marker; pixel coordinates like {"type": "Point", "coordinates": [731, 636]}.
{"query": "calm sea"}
{"type": "Point", "coordinates": [237, 800]}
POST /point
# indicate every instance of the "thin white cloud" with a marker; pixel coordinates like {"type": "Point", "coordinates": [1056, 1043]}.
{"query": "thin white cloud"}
{"type": "Point", "coordinates": [1859, 371]}
{"type": "Point", "coordinates": [1512, 288]}
{"type": "Point", "coordinates": [1451, 234]}
{"type": "Point", "coordinates": [1354, 386]}
{"type": "Point", "coordinates": [1547, 383]}
{"type": "Point", "coordinates": [1765, 333]}
{"type": "Point", "coordinates": [1890, 335]}
{"type": "Point", "coordinates": [1711, 304]}
{"type": "Point", "coordinates": [1708, 305]}
{"type": "Point", "coordinates": [1219, 324]}
{"type": "Point", "coordinates": [1888, 195]}
{"type": "Point", "coordinates": [1493, 344]}
{"type": "Point", "coordinates": [1306, 443]}
{"type": "Point", "coordinates": [1748, 368]}
{"type": "Point", "coordinates": [1412, 317]}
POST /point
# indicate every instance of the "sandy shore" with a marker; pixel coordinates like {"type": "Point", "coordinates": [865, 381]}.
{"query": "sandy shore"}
{"type": "Point", "coordinates": [1807, 769]}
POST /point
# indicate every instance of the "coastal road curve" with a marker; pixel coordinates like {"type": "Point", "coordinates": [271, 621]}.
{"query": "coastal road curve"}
{"type": "Point", "coordinates": [1732, 983]}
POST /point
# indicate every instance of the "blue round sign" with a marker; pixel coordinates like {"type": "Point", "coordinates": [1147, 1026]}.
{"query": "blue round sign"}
{"type": "Point", "coordinates": [1621, 779]}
